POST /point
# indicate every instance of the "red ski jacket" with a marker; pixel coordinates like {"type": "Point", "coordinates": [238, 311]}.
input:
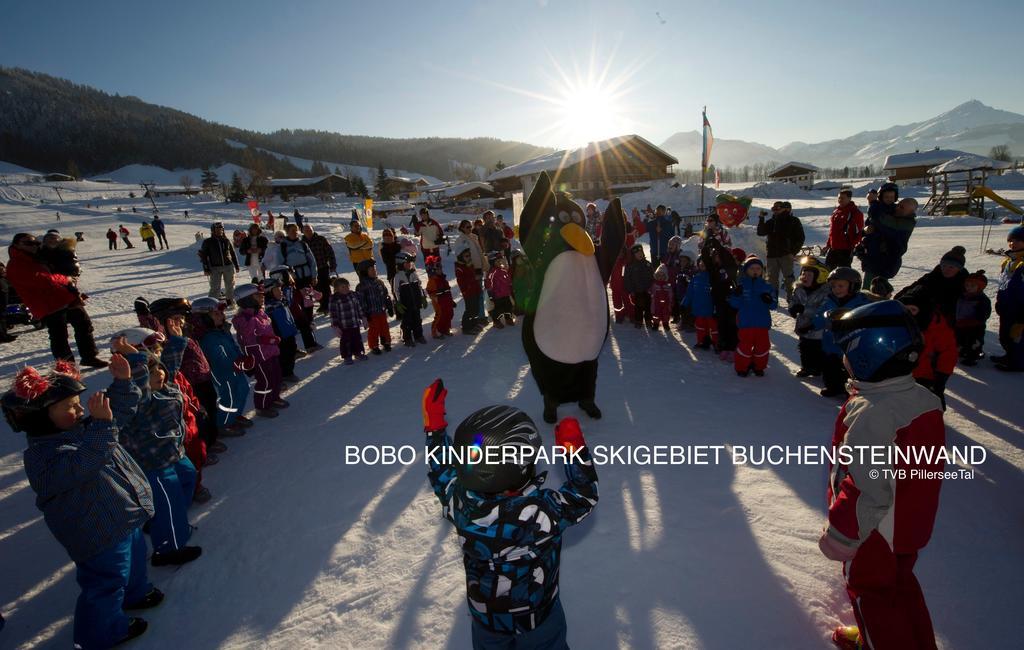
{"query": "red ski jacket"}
{"type": "Point", "coordinates": [940, 351]}
{"type": "Point", "coordinates": [846, 229]}
{"type": "Point", "coordinates": [865, 497]}
{"type": "Point", "coordinates": [42, 291]}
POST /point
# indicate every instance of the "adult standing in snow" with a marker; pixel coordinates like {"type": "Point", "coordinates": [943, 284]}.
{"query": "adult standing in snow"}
{"type": "Point", "coordinates": [326, 263]}
{"type": "Point", "coordinates": [784, 237]}
{"type": "Point", "coordinates": [491, 236]}
{"type": "Point", "coordinates": [219, 262]}
{"type": "Point", "coordinates": [148, 235]}
{"type": "Point", "coordinates": [359, 244]}
{"type": "Point", "coordinates": [659, 231]}
{"type": "Point", "coordinates": [54, 299]}
{"type": "Point", "coordinates": [296, 254]}
{"type": "Point", "coordinates": [845, 231]}
{"type": "Point", "coordinates": [430, 233]}
{"type": "Point", "coordinates": [713, 229]}
{"type": "Point", "coordinates": [252, 249]}
{"type": "Point", "coordinates": [111, 239]}
{"type": "Point", "coordinates": [885, 241]}
{"type": "Point", "coordinates": [160, 228]}
{"type": "Point", "coordinates": [298, 218]}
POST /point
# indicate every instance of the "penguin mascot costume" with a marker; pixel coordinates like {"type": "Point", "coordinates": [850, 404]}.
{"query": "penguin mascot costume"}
{"type": "Point", "coordinates": [564, 295]}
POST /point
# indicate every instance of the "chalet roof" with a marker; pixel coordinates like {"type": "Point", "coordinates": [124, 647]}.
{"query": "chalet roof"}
{"type": "Point", "coordinates": [968, 162]}
{"type": "Point", "coordinates": [458, 189]}
{"type": "Point", "coordinates": [792, 163]}
{"type": "Point", "coordinates": [920, 158]}
{"type": "Point", "coordinates": [568, 157]}
{"type": "Point", "coordinates": [302, 182]}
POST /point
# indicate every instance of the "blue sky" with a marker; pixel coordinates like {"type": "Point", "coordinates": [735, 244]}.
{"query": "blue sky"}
{"type": "Point", "coordinates": [531, 70]}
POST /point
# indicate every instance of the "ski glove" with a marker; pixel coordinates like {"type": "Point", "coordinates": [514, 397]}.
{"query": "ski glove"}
{"type": "Point", "coordinates": [833, 549]}
{"type": "Point", "coordinates": [433, 406]}
{"type": "Point", "coordinates": [568, 434]}
{"type": "Point", "coordinates": [766, 298]}
{"type": "Point", "coordinates": [795, 310]}
{"type": "Point", "coordinates": [400, 308]}
{"type": "Point", "coordinates": [244, 364]}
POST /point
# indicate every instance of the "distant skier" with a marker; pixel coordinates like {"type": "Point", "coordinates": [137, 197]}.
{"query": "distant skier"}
{"type": "Point", "coordinates": [124, 232]}
{"type": "Point", "coordinates": [510, 528]}
{"type": "Point", "coordinates": [160, 228]}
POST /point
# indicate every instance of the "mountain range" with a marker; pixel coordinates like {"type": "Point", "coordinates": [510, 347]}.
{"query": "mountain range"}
{"type": "Point", "coordinates": [52, 125]}
{"type": "Point", "coordinates": [972, 127]}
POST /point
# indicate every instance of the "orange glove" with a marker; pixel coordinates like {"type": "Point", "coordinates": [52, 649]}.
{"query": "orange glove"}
{"type": "Point", "coordinates": [568, 434]}
{"type": "Point", "coordinates": [433, 406]}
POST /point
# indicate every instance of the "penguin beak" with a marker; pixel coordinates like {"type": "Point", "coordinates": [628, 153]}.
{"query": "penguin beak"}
{"type": "Point", "coordinates": [578, 238]}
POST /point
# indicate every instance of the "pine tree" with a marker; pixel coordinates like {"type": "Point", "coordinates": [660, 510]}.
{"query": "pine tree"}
{"type": "Point", "coordinates": [73, 171]}
{"type": "Point", "coordinates": [499, 166]}
{"type": "Point", "coordinates": [209, 180]}
{"type": "Point", "coordinates": [381, 187]}
{"type": "Point", "coordinates": [236, 193]}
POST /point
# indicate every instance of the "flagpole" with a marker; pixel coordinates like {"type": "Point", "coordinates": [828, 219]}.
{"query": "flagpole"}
{"type": "Point", "coordinates": [703, 150]}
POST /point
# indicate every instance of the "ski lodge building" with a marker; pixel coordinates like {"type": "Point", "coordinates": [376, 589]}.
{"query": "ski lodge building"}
{"type": "Point", "coordinates": [310, 186]}
{"type": "Point", "coordinates": [598, 170]}
{"type": "Point", "coordinates": [798, 173]}
{"type": "Point", "coordinates": [912, 168]}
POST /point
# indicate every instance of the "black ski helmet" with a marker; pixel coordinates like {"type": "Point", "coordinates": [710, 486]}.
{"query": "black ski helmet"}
{"type": "Point", "coordinates": [495, 426]}
{"type": "Point", "coordinates": [164, 308]}
{"type": "Point", "coordinates": [852, 276]}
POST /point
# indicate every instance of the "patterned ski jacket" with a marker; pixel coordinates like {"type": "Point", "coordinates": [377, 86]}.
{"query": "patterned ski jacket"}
{"type": "Point", "coordinates": [811, 299]}
{"type": "Point", "coordinates": [374, 296]}
{"type": "Point", "coordinates": [867, 500]}
{"type": "Point", "coordinates": [90, 491]}
{"type": "Point", "coordinates": [512, 545]}
{"type": "Point", "coordinates": [151, 423]}
{"type": "Point", "coordinates": [346, 310]}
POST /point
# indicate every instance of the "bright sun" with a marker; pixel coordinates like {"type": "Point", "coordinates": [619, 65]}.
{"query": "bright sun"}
{"type": "Point", "coordinates": [588, 112]}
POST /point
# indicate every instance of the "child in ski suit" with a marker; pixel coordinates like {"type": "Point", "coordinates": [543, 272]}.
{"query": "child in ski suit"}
{"type": "Point", "coordinates": [441, 297]}
{"type": "Point", "coordinates": [512, 559]}
{"type": "Point", "coordinates": [255, 332]}
{"type": "Point", "coordinates": [282, 317]}
{"type": "Point", "coordinates": [879, 518]}
{"type": "Point", "coordinates": [637, 280]}
{"type": "Point", "coordinates": [698, 301]}
{"type": "Point", "coordinates": [499, 287]}
{"type": "Point", "coordinates": [1010, 303]}
{"type": "Point", "coordinates": [410, 299]}
{"type": "Point", "coordinates": [375, 299]}
{"type": "Point", "coordinates": [972, 312]}
{"type": "Point", "coordinates": [469, 286]}
{"type": "Point", "coordinates": [808, 295]}
{"type": "Point", "coordinates": [661, 298]}
{"type": "Point", "coordinates": [94, 497]}
{"type": "Point", "coordinates": [622, 303]}
{"type": "Point", "coordinates": [228, 365]}
{"type": "Point", "coordinates": [389, 248]}
{"type": "Point", "coordinates": [149, 412]}
{"type": "Point", "coordinates": [753, 300]}
{"type": "Point", "coordinates": [938, 358]}
{"type": "Point", "coordinates": [346, 317]}
{"type": "Point", "coordinates": [844, 295]}
{"type": "Point", "coordinates": [675, 263]}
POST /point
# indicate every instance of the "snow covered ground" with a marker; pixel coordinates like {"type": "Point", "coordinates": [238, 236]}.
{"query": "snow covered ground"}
{"type": "Point", "coordinates": [301, 550]}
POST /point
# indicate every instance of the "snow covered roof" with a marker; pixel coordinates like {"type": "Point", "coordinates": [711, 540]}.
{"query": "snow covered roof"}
{"type": "Point", "coordinates": [292, 182]}
{"type": "Point", "coordinates": [920, 158]}
{"type": "Point", "coordinates": [458, 189]}
{"type": "Point", "coordinates": [968, 162]}
{"type": "Point", "coordinates": [566, 157]}
{"type": "Point", "coordinates": [793, 163]}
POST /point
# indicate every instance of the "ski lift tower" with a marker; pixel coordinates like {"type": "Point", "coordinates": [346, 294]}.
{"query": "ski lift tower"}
{"type": "Point", "coordinates": [149, 187]}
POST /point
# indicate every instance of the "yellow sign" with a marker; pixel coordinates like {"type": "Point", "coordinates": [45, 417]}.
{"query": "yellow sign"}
{"type": "Point", "coordinates": [368, 213]}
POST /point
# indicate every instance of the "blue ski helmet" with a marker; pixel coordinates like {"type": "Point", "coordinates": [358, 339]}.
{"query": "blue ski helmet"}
{"type": "Point", "coordinates": [881, 340]}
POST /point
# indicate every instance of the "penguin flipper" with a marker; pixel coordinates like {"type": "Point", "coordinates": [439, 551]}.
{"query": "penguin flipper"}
{"type": "Point", "coordinates": [613, 238]}
{"type": "Point", "coordinates": [540, 202]}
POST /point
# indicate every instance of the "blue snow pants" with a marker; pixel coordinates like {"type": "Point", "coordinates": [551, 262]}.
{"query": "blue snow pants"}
{"type": "Point", "coordinates": [550, 635]}
{"type": "Point", "coordinates": [109, 580]}
{"type": "Point", "coordinates": [172, 495]}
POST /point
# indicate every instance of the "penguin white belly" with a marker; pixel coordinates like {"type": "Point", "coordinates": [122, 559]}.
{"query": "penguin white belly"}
{"type": "Point", "coordinates": [571, 321]}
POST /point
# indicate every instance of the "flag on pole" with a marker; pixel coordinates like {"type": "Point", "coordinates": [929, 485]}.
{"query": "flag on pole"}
{"type": "Point", "coordinates": [708, 141]}
{"type": "Point", "coordinates": [718, 178]}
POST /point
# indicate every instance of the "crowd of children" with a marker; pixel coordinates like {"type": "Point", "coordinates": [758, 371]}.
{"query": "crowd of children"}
{"type": "Point", "coordinates": [180, 382]}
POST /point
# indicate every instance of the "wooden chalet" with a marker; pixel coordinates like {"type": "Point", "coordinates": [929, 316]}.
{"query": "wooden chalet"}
{"type": "Point", "coordinates": [598, 170]}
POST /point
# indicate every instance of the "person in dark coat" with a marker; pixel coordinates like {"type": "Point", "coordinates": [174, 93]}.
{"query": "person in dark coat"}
{"type": "Point", "coordinates": [638, 278]}
{"type": "Point", "coordinates": [160, 228]}
{"type": "Point", "coordinates": [722, 268]}
{"type": "Point", "coordinates": [784, 237]}
{"type": "Point", "coordinates": [943, 285]}
{"type": "Point", "coordinates": [886, 237]}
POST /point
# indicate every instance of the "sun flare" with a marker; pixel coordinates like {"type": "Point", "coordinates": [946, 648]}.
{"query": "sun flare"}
{"type": "Point", "coordinates": [588, 112]}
